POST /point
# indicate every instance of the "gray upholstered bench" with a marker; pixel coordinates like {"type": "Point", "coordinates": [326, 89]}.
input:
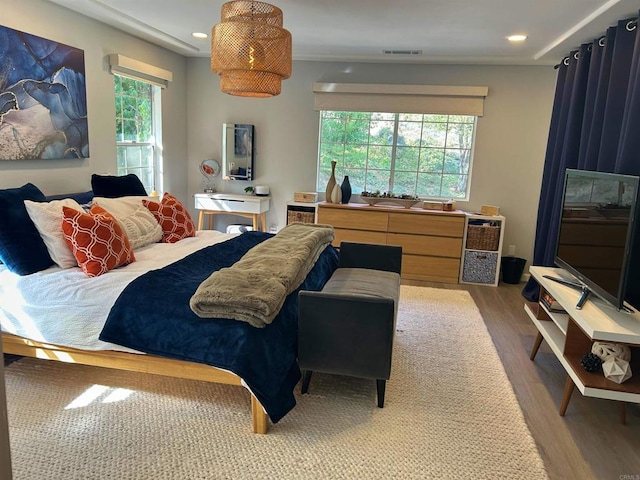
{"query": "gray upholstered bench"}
{"type": "Point", "coordinates": [348, 327]}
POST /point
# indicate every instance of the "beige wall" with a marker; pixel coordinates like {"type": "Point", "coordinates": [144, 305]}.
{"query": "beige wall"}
{"type": "Point", "coordinates": [98, 40]}
{"type": "Point", "coordinates": [509, 149]}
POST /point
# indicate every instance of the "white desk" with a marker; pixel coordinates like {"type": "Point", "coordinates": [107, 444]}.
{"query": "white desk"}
{"type": "Point", "coordinates": [249, 206]}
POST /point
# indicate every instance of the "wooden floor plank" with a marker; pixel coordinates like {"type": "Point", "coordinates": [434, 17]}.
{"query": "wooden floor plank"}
{"type": "Point", "coordinates": [588, 442]}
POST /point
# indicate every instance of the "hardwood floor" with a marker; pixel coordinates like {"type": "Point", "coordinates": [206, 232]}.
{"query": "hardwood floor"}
{"type": "Point", "coordinates": [589, 442]}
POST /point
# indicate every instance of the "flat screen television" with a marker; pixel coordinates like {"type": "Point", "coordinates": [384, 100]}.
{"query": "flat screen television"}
{"type": "Point", "coordinates": [598, 239]}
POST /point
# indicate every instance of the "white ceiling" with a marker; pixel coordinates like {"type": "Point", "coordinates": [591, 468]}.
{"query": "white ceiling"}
{"type": "Point", "coordinates": [447, 31]}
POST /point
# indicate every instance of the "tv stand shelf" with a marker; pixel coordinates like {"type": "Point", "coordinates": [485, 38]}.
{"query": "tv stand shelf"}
{"type": "Point", "coordinates": [571, 335]}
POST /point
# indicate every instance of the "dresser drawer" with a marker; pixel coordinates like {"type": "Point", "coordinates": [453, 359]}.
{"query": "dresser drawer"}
{"type": "Point", "coordinates": [421, 224]}
{"type": "Point", "coordinates": [358, 236]}
{"type": "Point", "coordinates": [354, 219]}
{"type": "Point", "coordinates": [431, 269]}
{"type": "Point", "coordinates": [426, 244]}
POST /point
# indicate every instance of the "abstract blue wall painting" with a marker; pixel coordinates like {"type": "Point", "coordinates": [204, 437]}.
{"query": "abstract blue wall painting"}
{"type": "Point", "coordinates": [43, 98]}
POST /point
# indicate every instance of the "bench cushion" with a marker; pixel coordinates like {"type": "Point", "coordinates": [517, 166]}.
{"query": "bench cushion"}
{"type": "Point", "coordinates": [364, 282]}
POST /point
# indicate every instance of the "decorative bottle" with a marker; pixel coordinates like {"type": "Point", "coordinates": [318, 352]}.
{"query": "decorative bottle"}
{"type": "Point", "coordinates": [331, 183]}
{"type": "Point", "coordinates": [346, 189]}
{"type": "Point", "coordinates": [336, 195]}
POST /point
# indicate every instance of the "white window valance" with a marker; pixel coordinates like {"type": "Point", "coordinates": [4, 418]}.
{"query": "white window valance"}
{"type": "Point", "coordinates": [129, 67]}
{"type": "Point", "coordinates": [365, 97]}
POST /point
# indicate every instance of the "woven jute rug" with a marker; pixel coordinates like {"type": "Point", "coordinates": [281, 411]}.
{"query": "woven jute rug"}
{"type": "Point", "coordinates": [450, 412]}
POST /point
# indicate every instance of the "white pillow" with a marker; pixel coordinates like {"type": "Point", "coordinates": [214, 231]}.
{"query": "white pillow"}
{"type": "Point", "coordinates": [141, 227]}
{"type": "Point", "coordinates": [47, 217]}
{"type": "Point", "coordinates": [122, 206]}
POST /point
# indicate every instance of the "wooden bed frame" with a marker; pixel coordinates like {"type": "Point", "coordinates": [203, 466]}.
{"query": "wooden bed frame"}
{"type": "Point", "coordinates": [133, 362]}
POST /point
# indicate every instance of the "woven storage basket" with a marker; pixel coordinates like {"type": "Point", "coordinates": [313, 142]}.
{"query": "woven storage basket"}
{"type": "Point", "coordinates": [300, 217]}
{"type": "Point", "coordinates": [483, 237]}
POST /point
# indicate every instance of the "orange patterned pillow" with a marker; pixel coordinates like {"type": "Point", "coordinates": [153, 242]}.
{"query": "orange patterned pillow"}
{"type": "Point", "coordinates": [174, 219]}
{"type": "Point", "coordinates": [96, 240]}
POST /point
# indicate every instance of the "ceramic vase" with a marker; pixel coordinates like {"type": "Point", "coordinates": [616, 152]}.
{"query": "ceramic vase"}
{"type": "Point", "coordinates": [331, 183]}
{"type": "Point", "coordinates": [346, 189]}
{"type": "Point", "coordinates": [336, 195]}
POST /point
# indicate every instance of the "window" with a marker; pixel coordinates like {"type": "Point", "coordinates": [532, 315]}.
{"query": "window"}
{"type": "Point", "coordinates": [138, 129]}
{"type": "Point", "coordinates": [428, 155]}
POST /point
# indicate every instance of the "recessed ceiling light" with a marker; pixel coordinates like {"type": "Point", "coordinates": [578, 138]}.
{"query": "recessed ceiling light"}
{"type": "Point", "coordinates": [517, 38]}
{"type": "Point", "coordinates": [199, 35]}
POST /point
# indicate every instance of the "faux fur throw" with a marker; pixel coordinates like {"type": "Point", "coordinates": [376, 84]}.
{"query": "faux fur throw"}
{"type": "Point", "coordinates": [255, 287]}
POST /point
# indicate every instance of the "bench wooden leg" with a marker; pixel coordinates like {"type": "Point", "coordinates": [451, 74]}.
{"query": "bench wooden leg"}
{"type": "Point", "coordinates": [306, 378]}
{"type": "Point", "coordinates": [381, 386]}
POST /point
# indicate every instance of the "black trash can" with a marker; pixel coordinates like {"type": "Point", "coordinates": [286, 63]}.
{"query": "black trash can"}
{"type": "Point", "coordinates": [512, 268]}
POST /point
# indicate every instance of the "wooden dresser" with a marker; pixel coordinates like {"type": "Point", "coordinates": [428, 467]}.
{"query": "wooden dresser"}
{"type": "Point", "coordinates": [431, 240]}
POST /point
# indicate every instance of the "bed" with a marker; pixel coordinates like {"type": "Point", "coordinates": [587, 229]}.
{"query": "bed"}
{"type": "Point", "coordinates": [63, 315]}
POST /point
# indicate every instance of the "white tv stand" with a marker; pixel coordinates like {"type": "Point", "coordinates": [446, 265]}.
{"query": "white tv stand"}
{"type": "Point", "coordinates": [571, 335]}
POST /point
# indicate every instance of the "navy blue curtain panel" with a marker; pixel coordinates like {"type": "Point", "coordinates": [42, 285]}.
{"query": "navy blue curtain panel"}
{"type": "Point", "coordinates": [594, 125]}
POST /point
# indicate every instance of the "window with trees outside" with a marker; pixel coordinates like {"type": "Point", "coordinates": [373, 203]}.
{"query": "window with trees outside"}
{"type": "Point", "coordinates": [428, 155]}
{"type": "Point", "coordinates": [138, 129]}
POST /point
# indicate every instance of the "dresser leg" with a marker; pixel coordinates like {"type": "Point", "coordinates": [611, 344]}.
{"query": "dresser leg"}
{"type": "Point", "coordinates": [569, 387]}
{"type": "Point", "coordinates": [200, 219]}
{"type": "Point", "coordinates": [536, 346]}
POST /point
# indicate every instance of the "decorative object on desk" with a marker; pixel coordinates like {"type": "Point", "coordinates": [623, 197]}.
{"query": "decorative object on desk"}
{"type": "Point", "coordinates": [346, 189]}
{"type": "Point", "coordinates": [331, 183]}
{"type": "Point", "coordinates": [250, 50]}
{"type": "Point", "coordinates": [591, 362]}
{"type": "Point", "coordinates": [607, 351]}
{"type": "Point", "coordinates": [617, 370]}
{"type": "Point", "coordinates": [210, 169]}
{"type": "Point", "coordinates": [249, 190]}
{"type": "Point", "coordinates": [261, 190]}
{"type": "Point", "coordinates": [336, 194]}
{"type": "Point", "coordinates": [374, 198]}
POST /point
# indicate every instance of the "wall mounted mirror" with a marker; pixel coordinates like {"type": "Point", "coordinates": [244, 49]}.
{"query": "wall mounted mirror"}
{"type": "Point", "coordinates": [237, 151]}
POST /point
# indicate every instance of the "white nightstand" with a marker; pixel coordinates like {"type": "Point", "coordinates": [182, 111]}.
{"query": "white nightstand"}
{"type": "Point", "coordinates": [250, 206]}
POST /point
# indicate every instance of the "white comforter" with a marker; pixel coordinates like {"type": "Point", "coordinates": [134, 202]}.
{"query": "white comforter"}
{"type": "Point", "coordinates": [65, 307]}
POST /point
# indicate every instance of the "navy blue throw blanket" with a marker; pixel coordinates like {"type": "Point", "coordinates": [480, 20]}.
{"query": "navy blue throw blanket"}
{"type": "Point", "coordinates": [152, 315]}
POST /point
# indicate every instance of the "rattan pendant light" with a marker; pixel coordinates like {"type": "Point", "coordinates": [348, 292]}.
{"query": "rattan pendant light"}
{"type": "Point", "coordinates": [250, 50]}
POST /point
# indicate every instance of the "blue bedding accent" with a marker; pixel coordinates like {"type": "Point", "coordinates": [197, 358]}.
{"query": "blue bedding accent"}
{"type": "Point", "coordinates": [152, 315]}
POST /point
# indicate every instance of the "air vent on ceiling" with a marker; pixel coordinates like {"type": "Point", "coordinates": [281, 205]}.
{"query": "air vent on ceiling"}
{"type": "Point", "coordinates": [402, 52]}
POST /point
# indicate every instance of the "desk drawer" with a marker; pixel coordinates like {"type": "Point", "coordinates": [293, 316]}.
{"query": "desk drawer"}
{"type": "Point", "coordinates": [227, 205]}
